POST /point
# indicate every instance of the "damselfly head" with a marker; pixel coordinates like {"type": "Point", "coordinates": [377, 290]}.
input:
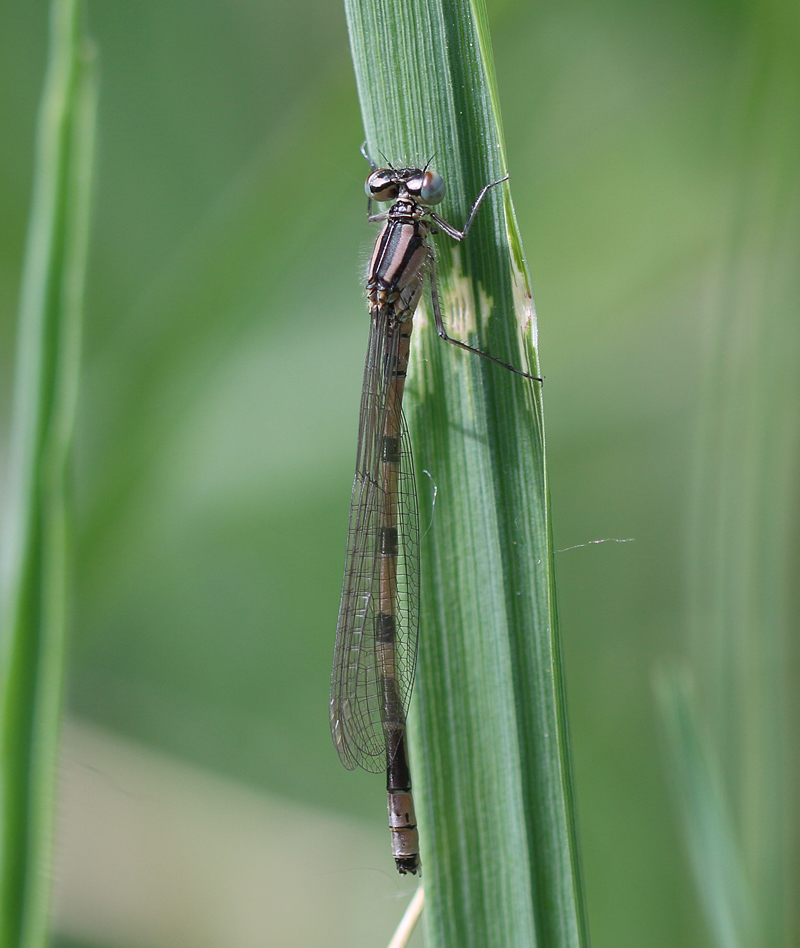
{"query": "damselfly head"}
{"type": "Point", "coordinates": [423, 186]}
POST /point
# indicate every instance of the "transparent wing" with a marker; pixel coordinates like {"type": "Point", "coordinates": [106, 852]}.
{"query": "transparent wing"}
{"type": "Point", "coordinates": [358, 684]}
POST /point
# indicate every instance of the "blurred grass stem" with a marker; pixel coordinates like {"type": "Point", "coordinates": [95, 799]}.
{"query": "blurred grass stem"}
{"type": "Point", "coordinates": [730, 731]}
{"type": "Point", "coordinates": [35, 538]}
{"type": "Point", "coordinates": [409, 920]}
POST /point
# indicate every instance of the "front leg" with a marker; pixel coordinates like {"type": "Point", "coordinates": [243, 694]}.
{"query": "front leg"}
{"type": "Point", "coordinates": [461, 234]}
{"type": "Point", "coordinates": [372, 165]}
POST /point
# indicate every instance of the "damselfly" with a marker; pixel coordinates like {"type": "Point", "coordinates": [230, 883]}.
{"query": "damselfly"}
{"type": "Point", "coordinates": [376, 637]}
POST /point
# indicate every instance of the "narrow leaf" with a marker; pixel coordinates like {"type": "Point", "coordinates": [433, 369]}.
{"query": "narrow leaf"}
{"type": "Point", "coordinates": [490, 753]}
{"type": "Point", "coordinates": [35, 548]}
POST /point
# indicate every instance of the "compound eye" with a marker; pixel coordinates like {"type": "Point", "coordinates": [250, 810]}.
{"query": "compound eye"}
{"type": "Point", "coordinates": [414, 185]}
{"type": "Point", "coordinates": [381, 185]}
{"type": "Point", "coordinates": [433, 188]}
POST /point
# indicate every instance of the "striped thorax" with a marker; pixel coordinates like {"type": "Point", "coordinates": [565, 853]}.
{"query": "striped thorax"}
{"type": "Point", "coordinates": [397, 267]}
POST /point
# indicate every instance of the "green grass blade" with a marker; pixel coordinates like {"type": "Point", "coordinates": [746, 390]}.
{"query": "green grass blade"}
{"type": "Point", "coordinates": [743, 543]}
{"type": "Point", "coordinates": [34, 604]}
{"type": "Point", "coordinates": [714, 850]}
{"type": "Point", "coordinates": [490, 750]}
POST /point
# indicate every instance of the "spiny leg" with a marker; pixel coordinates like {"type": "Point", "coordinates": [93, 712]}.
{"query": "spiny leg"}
{"type": "Point", "coordinates": [442, 332]}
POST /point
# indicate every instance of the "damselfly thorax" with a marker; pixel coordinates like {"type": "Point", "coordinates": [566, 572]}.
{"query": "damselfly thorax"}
{"type": "Point", "coordinates": [397, 266]}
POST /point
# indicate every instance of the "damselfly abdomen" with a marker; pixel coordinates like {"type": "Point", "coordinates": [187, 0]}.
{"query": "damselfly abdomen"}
{"type": "Point", "coordinates": [376, 636]}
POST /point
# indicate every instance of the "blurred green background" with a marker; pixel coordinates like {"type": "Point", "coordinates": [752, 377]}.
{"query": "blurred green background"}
{"type": "Point", "coordinates": [225, 332]}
